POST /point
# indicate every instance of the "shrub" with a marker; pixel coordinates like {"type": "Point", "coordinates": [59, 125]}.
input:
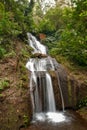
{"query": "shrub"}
{"type": "Point", "coordinates": [82, 103]}
{"type": "Point", "coordinates": [2, 52]}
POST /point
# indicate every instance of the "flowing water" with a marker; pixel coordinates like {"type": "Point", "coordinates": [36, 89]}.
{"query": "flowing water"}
{"type": "Point", "coordinates": [42, 94]}
{"type": "Point", "coordinates": [41, 87]}
{"type": "Point", "coordinates": [38, 48]}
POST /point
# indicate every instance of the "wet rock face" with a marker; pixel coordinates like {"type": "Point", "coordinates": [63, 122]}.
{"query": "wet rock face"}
{"type": "Point", "coordinates": [77, 91]}
{"type": "Point", "coordinates": [61, 73]}
{"type": "Point", "coordinates": [73, 91]}
{"type": "Point", "coordinates": [56, 90]}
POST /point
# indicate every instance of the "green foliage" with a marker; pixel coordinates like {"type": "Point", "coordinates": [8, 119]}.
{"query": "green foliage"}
{"type": "Point", "coordinates": [4, 84]}
{"type": "Point", "coordinates": [82, 103]}
{"type": "Point", "coordinates": [73, 47]}
{"type": "Point", "coordinates": [26, 52]}
{"type": "Point", "coordinates": [52, 21]}
{"type": "Point", "coordinates": [70, 39]}
{"type": "Point", "coordinates": [10, 54]}
{"type": "Point", "coordinates": [46, 27]}
{"type": "Point", "coordinates": [7, 50]}
{"type": "Point", "coordinates": [1, 95]}
{"type": "Point", "coordinates": [66, 26]}
{"type": "Point", "coordinates": [50, 42]}
{"type": "Point", "coordinates": [2, 52]}
{"type": "Point", "coordinates": [26, 120]}
{"type": "Point", "coordinates": [15, 18]}
{"type": "Point", "coordinates": [22, 67]}
{"type": "Point", "coordinates": [73, 38]}
{"type": "Point", "coordinates": [8, 27]}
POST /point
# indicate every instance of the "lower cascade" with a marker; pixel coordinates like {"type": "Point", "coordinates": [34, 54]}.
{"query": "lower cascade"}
{"type": "Point", "coordinates": [41, 86]}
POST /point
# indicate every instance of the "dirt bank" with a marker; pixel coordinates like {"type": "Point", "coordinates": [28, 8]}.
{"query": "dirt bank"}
{"type": "Point", "coordinates": [15, 104]}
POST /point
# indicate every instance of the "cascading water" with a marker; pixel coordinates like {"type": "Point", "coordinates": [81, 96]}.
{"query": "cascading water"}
{"type": "Point", "coordinates": [38, 48]}
{"type": "Point", "coordinates": [50, 95]}
{"type": "Point", "coordinates": [41, 86]}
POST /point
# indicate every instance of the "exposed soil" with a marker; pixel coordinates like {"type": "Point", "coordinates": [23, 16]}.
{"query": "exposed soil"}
{"type": "Point", "coordinates": [15, 104]}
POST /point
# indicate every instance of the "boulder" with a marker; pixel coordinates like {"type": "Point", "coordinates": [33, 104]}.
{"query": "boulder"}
{"type": "Point", "coordinates": [39, 55]}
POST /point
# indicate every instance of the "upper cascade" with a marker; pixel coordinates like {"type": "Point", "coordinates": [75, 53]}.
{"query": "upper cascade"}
{"type": "Point", "coordinates": [39, 64]}
{"type": "Point", "coordinates": [36, 45]}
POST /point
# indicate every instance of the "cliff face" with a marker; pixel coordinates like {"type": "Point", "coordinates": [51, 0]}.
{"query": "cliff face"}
{"type": "Point", "coordinates": [73, 90]}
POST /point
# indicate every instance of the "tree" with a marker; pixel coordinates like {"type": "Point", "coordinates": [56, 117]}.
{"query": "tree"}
{"type": "Point", "coordinates": [16, 17]}
{"type": "Point", "coordinates": [70, 29]}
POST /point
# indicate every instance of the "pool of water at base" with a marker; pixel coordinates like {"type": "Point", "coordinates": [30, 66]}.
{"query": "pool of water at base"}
{"type": "Point", "coordinates": [68, 120]}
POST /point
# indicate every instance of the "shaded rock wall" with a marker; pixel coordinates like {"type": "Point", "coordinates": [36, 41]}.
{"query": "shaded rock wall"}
{"type": "Point", "coordinates": [77, 91]}
{"type": "Point", "coordinates": [72, 89]}
{"type": "Point", "coordinates": [56, 90]}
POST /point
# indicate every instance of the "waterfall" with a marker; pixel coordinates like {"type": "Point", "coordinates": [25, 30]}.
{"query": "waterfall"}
{"type": "Point", "coordinates": [38, 48]}
{"type": "Point", "coordinates": [51, 101]}
{"type": "Point", "coordinates": [41, 87]}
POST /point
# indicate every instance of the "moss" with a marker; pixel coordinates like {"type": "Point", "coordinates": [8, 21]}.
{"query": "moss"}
{"type": "Point", "coordinates": [25, 52]}
{"type": "Point", "coordinates": [82, 103]}
{"type": "Point", "coordinates": [85, 81]}
{"type": "Point", "coordinates": [4, 83]}
{"type": "Point", "coordinates": [1, 95]}
{"type": "Point", "coordinates": [22, 67]}
{"type": "Point", "coordinates": [83, 112]}
{"type": "Point", "coordinates": [10, 54]}
{"type": "Point", "coordinates": [26, 120]}
{"type": "Point", "coordinates": [2, 52]}
{"type": "Point", "coordinates": [24, 78]}
{"type": "Point", "coordinates": [20, 84]}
